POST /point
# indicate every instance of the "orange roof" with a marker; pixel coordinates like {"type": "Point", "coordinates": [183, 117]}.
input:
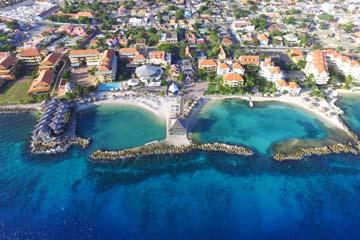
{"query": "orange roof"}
{"type": "Point", "coordinates": [51, 59]}
{"type": "Point", "coordinates": [84, 52]}
{"type": "Point", "coordinates": [30, 52]}
{"type": "Point", "coordinates": [157, 54]}
{"type": "Point", "coordinates": [263, 37]}
{"type": "Point", "coordinates": [223, 66]}
{"type": "Point", "coordinates": [128, 51]}
{"type": "Point", "coordinates": [249, 59]}
{"type": "Point", "coordinates": [42, 82]}
{"type": "Point", "coordinates": [207, 63]}
{"type": "Point", "coordinates": [281, 83]}
{"type": "Point", "coordinates": [293, 85]}
{"type": "Point", "coordinates": [237, 66]}
{"type": "Point", "coordinates": [319, 61]}
{"type": "Point", "coordinates": [296, 52]}
{"type": "Point", "coordinates": [275, 70]}
{"type": "Point", "coordinates": [106, 60]}
{"type": "Point", "coordinates": [233, 77]}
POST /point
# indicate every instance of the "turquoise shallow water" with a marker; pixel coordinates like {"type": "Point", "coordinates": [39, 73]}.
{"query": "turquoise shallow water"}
{"type": "Point", "coordinates": [232, 121]}
{"type": "Point", "coordinates": [351, 106]}
{"type": "Point", "coordinates": [192, 196]}
{"type": "Point", "coordinates": [113, 127]}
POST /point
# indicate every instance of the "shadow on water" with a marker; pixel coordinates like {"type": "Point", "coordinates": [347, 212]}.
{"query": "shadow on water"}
{"type": "Point", "coordinates": [108, 176]}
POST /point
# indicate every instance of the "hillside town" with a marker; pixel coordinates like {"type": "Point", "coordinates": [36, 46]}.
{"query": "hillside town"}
{"type": "Point", "coordinates": [73, 49]}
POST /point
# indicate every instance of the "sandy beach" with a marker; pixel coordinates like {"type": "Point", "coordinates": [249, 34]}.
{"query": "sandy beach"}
{"type": "Point", "coordinates": [159, 108]}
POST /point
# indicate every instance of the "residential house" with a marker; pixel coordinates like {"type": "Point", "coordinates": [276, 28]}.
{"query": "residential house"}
{"type": "Point", "coordinates": [89, 57]}
{"type": "Point", "coordinates": [249, 60]}
{"type": "Point", "coordinates": [245, 26]}
{"type": "Point", "coordinates": [158, 58]}
{"type": "Point", "coordinates": [291, 40]}
{"type": "Point", "coordinates": [30, 56]}
{"type": "Point", "coordinates": [207, 64]}
{"type": "Point", "coordinates": [223, 69]}
{"type": "Point", "coordinates": [187, 68]}
{"type": "Point", "coordinates": [316, 65]}
{"type": "Point", "coordinates": [264, 39]}
{"type": "Point", "coordinates": [226, 41]}
{"type": "Point", "coordinates": [42, 83]}
{"type": "Point", "coordinates": [237, 68]}
{"type": "Point", "coordinates": [292, 87]}
{"type": "Point", "coordinates": [232, 80]}
{"type": "Point", "coordinates": [296, 55]}
{"type": "Point", "coordinates": [169, 37]}
{"type": "Point", "coordinates": [107, 68]}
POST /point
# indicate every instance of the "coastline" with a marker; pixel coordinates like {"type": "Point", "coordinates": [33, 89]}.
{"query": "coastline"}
{"type": "Point", "coordinates": [298, 101]}
{"type": "Point", "coordinates": [161, 112]}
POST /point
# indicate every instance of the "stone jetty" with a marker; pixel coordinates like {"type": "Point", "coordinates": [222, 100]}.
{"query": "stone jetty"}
{"type": "Point", "coordinates": [54, 147]}
{"type": "Point", "coordinates": [319, 151]}
{"type": "Point", "coordinates": [20, 108]}
{"type": "Point", "coordinates": [163, 148]}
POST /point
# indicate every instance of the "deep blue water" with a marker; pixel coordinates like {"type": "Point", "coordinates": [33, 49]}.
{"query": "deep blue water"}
{"type": "Point", "coordinates": [192, 196]}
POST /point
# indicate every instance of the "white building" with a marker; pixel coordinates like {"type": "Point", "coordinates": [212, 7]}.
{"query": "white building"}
{"type": "Point", "coordinates": [344, 64]}
{"type": "Point", "coordinates": [316, 65]}
{"type": "Point", "coordinates": [292, 87]}
{"type": "Point", "coordinates": [269, 71]}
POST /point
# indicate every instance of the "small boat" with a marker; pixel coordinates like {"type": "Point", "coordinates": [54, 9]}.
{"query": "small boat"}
{"type": "Point", "coordinates": [251, 103]}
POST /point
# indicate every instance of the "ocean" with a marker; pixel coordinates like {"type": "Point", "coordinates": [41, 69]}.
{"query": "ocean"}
{"type": "Point", "coordinates": [192, 196]}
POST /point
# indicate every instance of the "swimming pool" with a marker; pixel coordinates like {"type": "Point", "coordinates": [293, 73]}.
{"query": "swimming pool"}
{"type": "Point", "coordinates": [113, 86]}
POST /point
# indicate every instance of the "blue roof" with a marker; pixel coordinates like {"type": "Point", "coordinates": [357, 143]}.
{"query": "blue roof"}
{"type": "Point", "coordinates": [113, 86]}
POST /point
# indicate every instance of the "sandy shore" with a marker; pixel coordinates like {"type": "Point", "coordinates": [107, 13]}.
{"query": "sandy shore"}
{"type": "Point", "coordinates": [330, 121]}
{"type": "Point", "coordinates": [161, 111]}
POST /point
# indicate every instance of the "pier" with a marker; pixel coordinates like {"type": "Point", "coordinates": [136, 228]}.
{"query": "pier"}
{"type": "Point", "coordinates": [55, 130]}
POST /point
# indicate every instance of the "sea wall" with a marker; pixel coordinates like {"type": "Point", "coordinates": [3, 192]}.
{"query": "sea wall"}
{"type": "Point", "coordinates": [163, 148]}
{"type": "Point", "coordinates": [39, 147]}
{"type": "Point", "coordinates": [20, 108]}
{"type": "Point", "coordinates": [352, 148]}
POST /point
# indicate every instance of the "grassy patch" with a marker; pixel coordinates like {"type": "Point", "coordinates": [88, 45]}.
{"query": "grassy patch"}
{"type": "Point", "coordinates": [15, 92]}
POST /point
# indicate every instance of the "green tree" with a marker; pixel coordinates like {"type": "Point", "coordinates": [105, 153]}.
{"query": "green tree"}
{"type": "Point", "coordinates": [290, 20]}
{"type": "Point", "coordinates": [348, 82]}
{"type": "Point", "coordinates": [260, 22]}
{"type": "Point", "coordinates": [179, 14]}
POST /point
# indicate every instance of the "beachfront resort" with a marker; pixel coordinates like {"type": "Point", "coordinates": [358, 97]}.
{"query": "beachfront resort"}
{"type": "Point", "coordinates": [173, 58]}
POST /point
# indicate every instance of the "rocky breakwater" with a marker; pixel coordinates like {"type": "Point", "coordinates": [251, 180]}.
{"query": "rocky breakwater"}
{"type": "Point", "coordinates": [54, 147]}
{"type": "Point", "coordinates": [20, 108]}
{"type": "Point", "coordinates": [337, 148]}
{"type": "Point", "coordinates": [163, 148]}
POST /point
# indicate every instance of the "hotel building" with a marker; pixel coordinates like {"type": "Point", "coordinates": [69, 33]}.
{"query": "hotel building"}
{"type": "Point", "coordinates": [89, 57]}
{"type": "Point", "coordinates": [107, 68]}
{"type": "Point", "coordinates": [316, 65]}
